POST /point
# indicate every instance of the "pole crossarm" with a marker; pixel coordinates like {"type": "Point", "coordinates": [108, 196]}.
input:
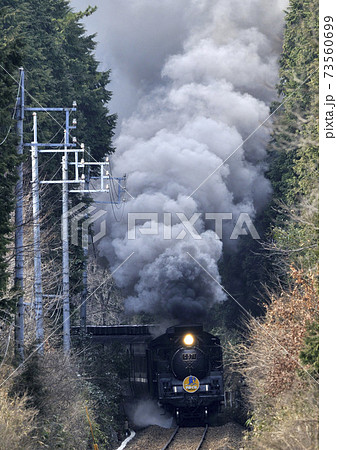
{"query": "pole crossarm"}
{"type": "Point", "coordinates": [88, 191]}
{"type": "Point", "coordinates": [52, 145]}
{"type": "Point", "coordinates": [68, 150]}
{"type": "Point", "coordinates": [50, 109]}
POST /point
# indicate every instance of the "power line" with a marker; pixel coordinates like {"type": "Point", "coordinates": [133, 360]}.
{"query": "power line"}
{"type": "Point", "coordinates": [13, 115]}
{"type": "Point", "coordinates": [66, 149]}
{"type": "Point", "coordinates": [55, 120]}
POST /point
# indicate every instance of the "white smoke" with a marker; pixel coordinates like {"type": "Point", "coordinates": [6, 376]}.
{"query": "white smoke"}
{"type": "Point", "coordinates": [204, 83]}
{"type": "Point", "coordinates": [146, 412]}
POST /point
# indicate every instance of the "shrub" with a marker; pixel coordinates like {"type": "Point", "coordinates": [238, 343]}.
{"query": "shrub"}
{"type": "Point", "coordinates": [281, 391]}
{"type": "Point", "coordinates": [17, 422]}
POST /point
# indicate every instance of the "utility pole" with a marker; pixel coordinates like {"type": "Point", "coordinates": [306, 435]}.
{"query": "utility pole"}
{"type": "Point", "coordinates": [50, 147]}
{"type": "Point", "coordinates": [65, 242]}
{"type": "Point", "coordinates": [83, 307]}
{"type": "Point", "coordinates": [37, 240]}
{"type": "Point", "coordinates": [19, 318]}
{"type": "Point", "coordinates": [69, 149]}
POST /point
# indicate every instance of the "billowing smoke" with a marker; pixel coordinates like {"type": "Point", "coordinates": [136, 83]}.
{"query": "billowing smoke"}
{"type": "Point", "coordinates": [203, 73]}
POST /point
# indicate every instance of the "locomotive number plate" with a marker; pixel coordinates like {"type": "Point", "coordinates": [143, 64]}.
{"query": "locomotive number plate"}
{"type": "Point", "coordinates": [189, 356]}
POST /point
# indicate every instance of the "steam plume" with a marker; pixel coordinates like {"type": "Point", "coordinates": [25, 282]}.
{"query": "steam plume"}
{"type": "Point", "coordinates": [200, 72]}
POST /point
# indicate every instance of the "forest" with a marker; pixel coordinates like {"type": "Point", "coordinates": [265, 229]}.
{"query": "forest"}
{"type": "Point", "coordinates": [270, 335]}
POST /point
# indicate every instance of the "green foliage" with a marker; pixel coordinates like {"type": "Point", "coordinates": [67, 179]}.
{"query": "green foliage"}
{"type": "Point", "coordinates": [293, 151]}
{"type": "Point", "coordinates": [10, 57]}
{"type": "Point", "coordinates": [294, 146]}
{"type": "Point", "coordinates": [293, 172]}
{"type": "Point", "coordinates": [60, 68]}
{"type": "Point", "coordinates": [296, 234]}
{"type": "Point", "coordinates": [47, 38]}
{"type": "Point", "coordinates": [309, 356]}
{"type": "Point", "coordinates": [104, 367]}
{"type": "Point", "coordinates": [243, 272]}
{"type": "Point", "coordinates": [60, 395]}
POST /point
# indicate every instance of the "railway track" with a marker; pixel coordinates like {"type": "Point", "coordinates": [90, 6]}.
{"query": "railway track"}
{"type": "Point", "coordinates": [186, 439]}
{"type": "Point", "coordinates": [157, 438]}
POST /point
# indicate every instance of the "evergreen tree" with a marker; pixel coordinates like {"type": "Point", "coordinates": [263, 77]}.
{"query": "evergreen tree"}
{"type": "Point", "coordinates": [60, 68]}
{"type": "Point", "coordinates": [294, 146]}
{"type": "Point", "coordinates": [10, 57]}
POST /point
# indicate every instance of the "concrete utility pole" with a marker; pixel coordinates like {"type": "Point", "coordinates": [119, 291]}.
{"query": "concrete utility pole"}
{"type": "Point", "coordinates": [37, 240]}
{"type": "Point", "coordinates": [69, 149]}
{"type": "Point", "coordinates": [19, 318]}
{"type": "Point", "coordinates": [38, 295]}
{"type": "Point", "coordinates": [65, 242]}
{"type": "Point", "coordinates": [83, 308]}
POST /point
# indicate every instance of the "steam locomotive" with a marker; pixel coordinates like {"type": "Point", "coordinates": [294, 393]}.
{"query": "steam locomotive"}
{"type": "Point", "coordinates": [185, 372]}
{"type": "Point", "coordinates": [181, 369]}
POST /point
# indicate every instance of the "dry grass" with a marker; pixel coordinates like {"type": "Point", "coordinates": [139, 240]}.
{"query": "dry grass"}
{"type": "Point", "coordinates": [17, 419]}
{"type": "Point", "coordinates": [280, 392]}
{"type": "Point", "coordinates": [59, 394]}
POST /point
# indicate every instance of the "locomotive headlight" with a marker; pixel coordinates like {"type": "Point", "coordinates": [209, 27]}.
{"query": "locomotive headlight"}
{"type": "Point", "coordinates": [188, 339]}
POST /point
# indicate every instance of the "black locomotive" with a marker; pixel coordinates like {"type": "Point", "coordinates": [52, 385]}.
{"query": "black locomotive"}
{"type": "Point", "coordinates": [185, 372]}
{"type": "Point", "coordinates": [182, 368]}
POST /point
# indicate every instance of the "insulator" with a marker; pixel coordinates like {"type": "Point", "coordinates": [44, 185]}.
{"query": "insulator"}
{"type": "Point", "coordinates": [74, 139]}
{"type": "Point", "coordinates": [74, 122]}
{"type": "Point", "coordinates": [82, 146]}
{"type": "Point", "coordinates": [74, 104]}
{"type": "Point", "coordinates": [82, 161]}
{"type": "Point", "coordinates": [83, 176]}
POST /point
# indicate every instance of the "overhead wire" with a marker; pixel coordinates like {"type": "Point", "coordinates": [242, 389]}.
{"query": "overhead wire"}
{"type": "Point", "coordinates": [14, 111]}
{"type": "Point", "coordinates": [51, 139]}
{"type": "Point", "coordinates": [53, 118]}
{"type": "Point", "coordinates": [112, 202]}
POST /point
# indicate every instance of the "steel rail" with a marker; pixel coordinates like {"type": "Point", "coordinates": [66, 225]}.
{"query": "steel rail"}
{"type": "Point", "coordinates": [173, 435]}
{"type": "Point", "coordinates": [203, 437]}
{"type": "Point", "coordinates": [171, 439]}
